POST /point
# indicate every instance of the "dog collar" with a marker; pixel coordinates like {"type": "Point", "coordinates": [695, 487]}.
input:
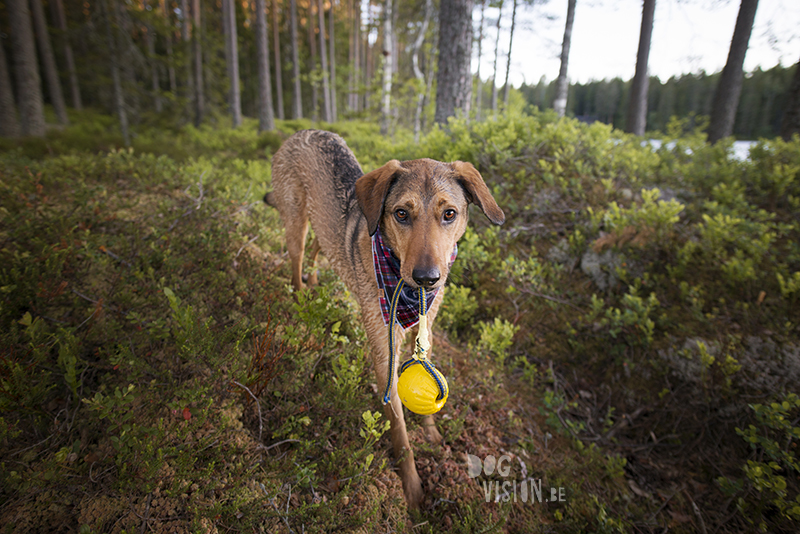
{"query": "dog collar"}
{"type": "Point", "coordinates": [387, 274]}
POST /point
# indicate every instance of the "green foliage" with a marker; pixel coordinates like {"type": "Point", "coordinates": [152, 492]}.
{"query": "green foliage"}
{"type": "Point", "coordinates": [789, 286]}
{"type": "Point", "coordinates": [130, 280]}
{"type": "Point", "coordinates": [770, 477]}
{"type": "Point", "coordinates": [373, 427]}
{"type": "Point", "coordinates": [651, 215]}
{"type": "Point", "coordinates": [457, 310]}
{"type": "Point", "coordinates": [736, 244]}
{"type": "Point", "coordinates": [497, 337]}
{"type": "Point", "coordinates": [631, 321]}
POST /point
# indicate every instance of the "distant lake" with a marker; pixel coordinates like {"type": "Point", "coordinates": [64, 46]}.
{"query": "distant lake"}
{"type": "Point", "coordinates": [741, 149]}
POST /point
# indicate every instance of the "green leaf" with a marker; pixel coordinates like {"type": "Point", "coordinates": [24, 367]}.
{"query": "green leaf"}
{"type": "Point", "coordinates": [26, 320]}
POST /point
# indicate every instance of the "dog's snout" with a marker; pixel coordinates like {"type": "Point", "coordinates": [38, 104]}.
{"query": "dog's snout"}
{"type": "Point", "coordinates": [426, 277]}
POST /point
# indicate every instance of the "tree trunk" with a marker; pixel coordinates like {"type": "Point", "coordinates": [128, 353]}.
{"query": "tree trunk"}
{"type": "Point", "coordinates": [323, 55]}
{"type": "Point", "coordinates": [729, 87]}
{"type": "Point", "coordinates": [454, 86]}
{"type": "Point", "coordinates": [352, 57]}
{"type": "Point", "coordinates": [126, 56]}
{"type": "Point", "coordinates": [496, 55]}
{"type": "Point", "coordinates": [479, 95]}
{"type": "Point", "coordinates": [186, 24]}
{"type": "Point", "coordinates": [332, 57]}
{"type": "Point", "coordinates": [506, 87]}
{"type": "Point", "coordinates": [312, 67]}
{"type": "Point", "coordinates": [791, 117]}
{"type": "Point", "coordinates": [418, 72]}
{"type": "Point", "coordinates": [388, 40]}
{"type": "Point", "coordinates": [232, 60]}
{"type": "Point", "coordinates": [277, 47]}
{"type": "Point", "coordinates": [61, 22]}
{"type": "Point", "coordinates": [266, 119]}
{"type": "Point", "coordinates": [9, 124]}
{"type": "Point", "coordinates": [173, 85]}
{"type": "Point", "coordinates": [150, 42]}
{"type": "Point", "coordinates": [48, 61]}
{"type": "Point", "coordinates": [298, 99]}
{"type": "Point", "coordinates": [199, 88]}
{"type": "Point", "coordinates": [562, 83]}
{"type": "Point", "coordinates": [637, 103]}
{"type": "Point", "coordinates": [29, 85]}
{"type": "Point", "coordinates": [369, 60]}
{"type": "Point", "coordinates": [119, 97]}
{"type": "Point", "coordinates": [432, 57]}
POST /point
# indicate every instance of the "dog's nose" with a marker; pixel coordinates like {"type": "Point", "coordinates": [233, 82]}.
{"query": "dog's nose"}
{"type": "Point", "coordinates": [426, 277]}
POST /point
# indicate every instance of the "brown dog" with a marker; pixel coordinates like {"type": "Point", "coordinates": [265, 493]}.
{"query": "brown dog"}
{"type": "Point", "coordinates": [418, 208]}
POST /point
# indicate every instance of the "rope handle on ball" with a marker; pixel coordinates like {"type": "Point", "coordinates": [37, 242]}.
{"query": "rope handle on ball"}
{"type": "Point", "coordinates": [422, 344]}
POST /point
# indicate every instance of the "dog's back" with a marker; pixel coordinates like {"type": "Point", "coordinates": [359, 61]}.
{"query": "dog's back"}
{"type": "Point", "coordinates": [330, 168]}
{"type": "Point", "coordinates": [313, 178]}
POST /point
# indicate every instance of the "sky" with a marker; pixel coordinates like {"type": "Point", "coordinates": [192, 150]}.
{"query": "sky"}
{"type": "Point", "coordinates": [688, 36]}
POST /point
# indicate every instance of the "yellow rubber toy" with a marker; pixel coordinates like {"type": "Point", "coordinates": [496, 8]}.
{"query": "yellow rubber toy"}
{"type": "Point", "coordinates": [420, 386]}
{"type": "Point", "coordinates": [418, 390]}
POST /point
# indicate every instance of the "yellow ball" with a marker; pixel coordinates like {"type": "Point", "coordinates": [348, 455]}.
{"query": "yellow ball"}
{"type": "Point", "coordinates": [418, 390]}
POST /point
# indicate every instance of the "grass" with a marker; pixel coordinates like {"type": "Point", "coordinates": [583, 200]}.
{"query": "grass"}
{"type": "Point", "coordinates": [157, 373]}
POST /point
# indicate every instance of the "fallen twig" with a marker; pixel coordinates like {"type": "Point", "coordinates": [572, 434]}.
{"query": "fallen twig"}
{"type": "Point", "coordinates": [258, 405]}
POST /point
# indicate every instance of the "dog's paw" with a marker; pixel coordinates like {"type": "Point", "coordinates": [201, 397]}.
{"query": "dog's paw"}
{"type": "Point", "coordinates": [412, 490]}
{"type": "Point", "coordinates": [432, 434]}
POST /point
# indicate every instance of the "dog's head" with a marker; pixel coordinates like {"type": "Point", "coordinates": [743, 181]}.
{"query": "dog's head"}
{"type": "Point", "coordinates": [421, 207]}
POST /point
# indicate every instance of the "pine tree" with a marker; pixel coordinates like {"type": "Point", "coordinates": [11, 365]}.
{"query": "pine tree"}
{"type": "Point", "coordinates": [729, 87]}
{"type": "Point", "coordinates": [109, 13]}
{"type": "Point", "coordinates": [388, 40]}
{"type": "Point", "coordinates": [197, 55]}
{"type": "Point", "coordinates": [506, 87]}
{"type": "Point", "coordinates": [478, 89]}
{"type": "Point", "coordinates": [562, 83]}
{"type": "Point", "coordinates": [332, 58]}
{"type": "Point", "coordinates": [417, 71]}
{"type": "Point", "coordinates": [496, 55]}
{"type": "Point", "coordinates": [298, 99]}
{"type": "Point", "coordinates": [29, 85]}
{"type": "Point", "coordinates": [61, 23]}
{"type": "Point", "coordinates": [277, 48]}
{"type": "Point", "coordinates": [454, 87]}
{"type": "Point", "coordinates": [637, 103]}
{"type": "Point", "coordinates": [232, 60]}
{"type": "Point", "coordinates": [323, 55]}
{"type": "Point", "coordinates": [9, 124]}
{"type": "Point", "coordinates": [266, 118]}
{"type": "Point", "coordinates": [791, 118]}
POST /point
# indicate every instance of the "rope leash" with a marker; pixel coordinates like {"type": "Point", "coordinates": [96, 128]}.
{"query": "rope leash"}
{"type": "Point", "coordinates": [422, 345]}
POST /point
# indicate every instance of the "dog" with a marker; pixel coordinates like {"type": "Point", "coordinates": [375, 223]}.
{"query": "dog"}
{"type": "Point", "coordinates": [412, 213]}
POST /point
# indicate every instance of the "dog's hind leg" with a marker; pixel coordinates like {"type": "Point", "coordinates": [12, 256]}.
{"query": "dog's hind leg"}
{"type": "Point", "coordinates": [315, 248]}
{"type": "Point", "coordinates": [296, 231]}
{"type": "Point", "coordinates": [292, 207]}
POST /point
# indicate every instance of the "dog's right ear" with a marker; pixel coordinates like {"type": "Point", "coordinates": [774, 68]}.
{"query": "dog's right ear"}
{"type": "Point", "coordinates": [371, 190]}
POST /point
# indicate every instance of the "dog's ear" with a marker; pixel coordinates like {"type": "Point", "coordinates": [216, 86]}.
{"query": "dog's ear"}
{"type": "Point", "coordinates": [371, 190]}
{"type": "Point", "coordinates": [477, 192]}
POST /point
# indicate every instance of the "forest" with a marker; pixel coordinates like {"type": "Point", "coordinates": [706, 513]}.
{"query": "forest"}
{"type": "Point", "coordinates": [628, 341]}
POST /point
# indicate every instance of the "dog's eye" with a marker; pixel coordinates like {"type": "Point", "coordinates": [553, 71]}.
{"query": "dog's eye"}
{"type": "Point", "coordinates": [449, 215]}
{"type": "Point", "coordinates": [401, 215]}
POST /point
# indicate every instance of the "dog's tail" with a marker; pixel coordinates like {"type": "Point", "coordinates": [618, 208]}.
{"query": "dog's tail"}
{"type": "Point", "coordinates": [268, 200]}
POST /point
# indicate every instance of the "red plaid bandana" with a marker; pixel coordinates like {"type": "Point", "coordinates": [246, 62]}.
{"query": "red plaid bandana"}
{"type": "Point", "coordinates": [387, 273]}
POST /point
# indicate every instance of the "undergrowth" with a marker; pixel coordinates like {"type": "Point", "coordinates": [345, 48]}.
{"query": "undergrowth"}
{"type": "Point", "coordinates": [629, 338]}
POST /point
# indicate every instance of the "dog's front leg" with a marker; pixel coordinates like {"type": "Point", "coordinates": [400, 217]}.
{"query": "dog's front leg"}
{"type": "Point", "coordinates": [431, 432]}
{"type": "Point", "coordinates": [378, 336]}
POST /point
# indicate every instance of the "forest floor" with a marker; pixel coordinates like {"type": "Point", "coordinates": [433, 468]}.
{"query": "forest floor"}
{"type": "Point", "coordinates": [159, 375]}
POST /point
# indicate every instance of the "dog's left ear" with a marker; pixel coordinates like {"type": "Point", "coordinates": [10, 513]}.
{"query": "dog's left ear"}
{"type": "Point", "coordinates": [371, 190]}
{"type": "Point", "coordinates": [477, 192]}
